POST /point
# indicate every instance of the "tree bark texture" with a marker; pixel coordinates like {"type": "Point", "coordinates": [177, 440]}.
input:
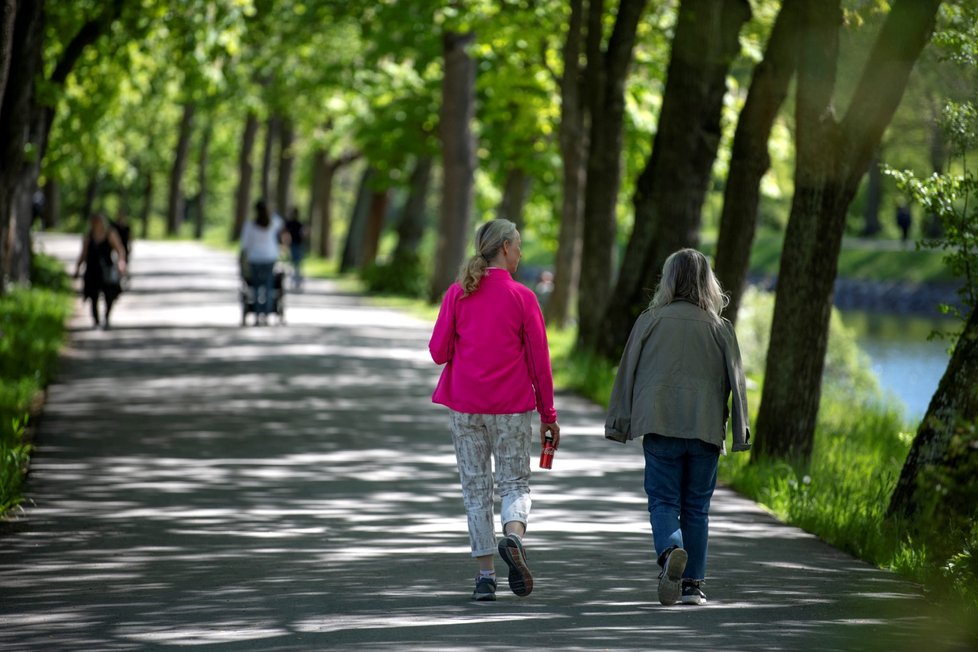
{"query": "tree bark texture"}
{"type": "Point", "coordinates": [175, 202]}
{"type": "Point", "coordinates": [572, 138]}
{"type": "Point", "coordinates": [605, 77]}
{"type": "Point", "coordinates": [749, 158]}
{"type": "Point", "coordinates": [938, 486]}
{"type": "Point", "coordinates": [669, 193]}
{"type": "Point", "coordinates": [516, 191]}
{"type": "Point", "coordinates": [874, 190]}
{"type": "Point", "coordinates": [8, 12]}
{"type": "Point", "coordinates": [246, 172]}
{"type": "Point", "coordinates": [353, 245]}
{"type": "Point", "coordinates": [410, 228]}
{"type": "Point", "coordinates": [201, 202]}
{"type": "Point", "coordinates": [376, 213]}
{"type": "Point", "coordinates": [831, 159]}
{"type": "Point", "coordinates": [268, 157]}
{"type": "Point", "coordinates": [16, 110]}
{"type": "Point", "coordinates": [147, 207]}
{"type": "Point", "coordinates": [458, 160]}
{"type": "Point", "coordinates": [286, 158]}
{"type": "Point", "coordinates": [51, 213]}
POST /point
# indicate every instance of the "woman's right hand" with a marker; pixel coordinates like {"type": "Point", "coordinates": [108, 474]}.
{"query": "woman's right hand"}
{"type": "Point", "coordinates": [553, 429]}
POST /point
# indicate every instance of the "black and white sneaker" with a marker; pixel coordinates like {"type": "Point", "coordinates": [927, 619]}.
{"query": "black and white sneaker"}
{"type": "Point", "coordinates": [485, 589]}
{"type": "Point", "coordinates": [692, 593]}
{"type": "Point", "coordinates": [671, 576]}
{"type": "Point", "coordinates": [512, 552]}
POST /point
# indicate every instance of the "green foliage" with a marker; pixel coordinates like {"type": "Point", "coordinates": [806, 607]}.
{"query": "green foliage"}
{"type": "Point", "coordinates": [31, 334]}
{"type": "Point", "coordinates": [404, 276]}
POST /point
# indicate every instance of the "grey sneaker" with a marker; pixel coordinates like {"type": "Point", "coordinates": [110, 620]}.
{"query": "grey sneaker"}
{"type": "Point", "coordinates": [671, 576]}
{"type": "Point", "coordinates": [692, 593]}
{"type": "Point", "coordinates": [485, 589]}
{"type": "Point", "coordinates": [512, 552]}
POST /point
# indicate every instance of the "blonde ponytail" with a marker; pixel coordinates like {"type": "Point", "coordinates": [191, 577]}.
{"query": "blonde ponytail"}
{"type": "Point", "coordinates": [489, 239]}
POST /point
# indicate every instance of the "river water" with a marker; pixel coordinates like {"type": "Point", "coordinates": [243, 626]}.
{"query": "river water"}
{"type": "Point", "coordinates": [907, 364]}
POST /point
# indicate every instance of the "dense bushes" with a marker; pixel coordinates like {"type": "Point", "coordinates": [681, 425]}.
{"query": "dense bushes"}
{"type": "Point", "coordinates": [31, 333]}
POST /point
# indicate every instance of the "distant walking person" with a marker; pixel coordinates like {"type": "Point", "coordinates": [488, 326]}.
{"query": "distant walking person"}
{"type": "Point", "coordinates": [260, 250]}
{"type": "Point", "coordinates": [904, 219]}
{"type": "Point", "coordinates": [680, 366]}
{"type": "Point", "coordinates": [491, 338]}
{"type": "Point", "coordinates": [297, 236]}
{"type": "Point", "coordinates": [103, 273]}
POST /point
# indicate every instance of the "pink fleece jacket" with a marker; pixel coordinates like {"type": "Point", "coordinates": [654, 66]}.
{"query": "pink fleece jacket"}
{"type": "Point", "coordinates": [494, 347]}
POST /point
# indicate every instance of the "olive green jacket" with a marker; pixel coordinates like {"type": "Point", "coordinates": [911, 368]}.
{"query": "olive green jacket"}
{"type": "Point", "coordinates": [678, 370]}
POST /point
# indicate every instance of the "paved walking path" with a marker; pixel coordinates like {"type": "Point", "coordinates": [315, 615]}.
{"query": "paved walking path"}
{"type": "Point", "coordinates": [201, 485]}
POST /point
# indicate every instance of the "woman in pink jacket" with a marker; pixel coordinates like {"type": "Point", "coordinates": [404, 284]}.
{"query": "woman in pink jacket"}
{"type": "Point", "coordinates": [491, 338]}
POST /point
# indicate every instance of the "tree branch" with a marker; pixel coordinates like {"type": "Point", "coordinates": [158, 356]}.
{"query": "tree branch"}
{"type": "Point", "coordinates": [87, 35]}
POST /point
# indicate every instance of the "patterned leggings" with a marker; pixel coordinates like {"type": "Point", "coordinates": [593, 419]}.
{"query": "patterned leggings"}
{"type": "Point", "coordinates": [478, 438]}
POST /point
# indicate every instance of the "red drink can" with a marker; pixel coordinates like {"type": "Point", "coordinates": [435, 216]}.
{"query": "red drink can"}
{"type": "Point", "coordinates": [547, 454]}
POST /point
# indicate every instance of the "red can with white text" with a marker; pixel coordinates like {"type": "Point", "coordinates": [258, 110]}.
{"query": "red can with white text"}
{"type": "Point", "coordinates": [547, 454]}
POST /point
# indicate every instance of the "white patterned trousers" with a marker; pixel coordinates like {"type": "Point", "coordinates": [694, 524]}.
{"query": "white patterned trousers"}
{"type": "Point", "coordinates": [478, 439]}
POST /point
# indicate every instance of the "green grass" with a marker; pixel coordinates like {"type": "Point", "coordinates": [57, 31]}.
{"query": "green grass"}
{"type": "Point", "coordinates": [31, 334]}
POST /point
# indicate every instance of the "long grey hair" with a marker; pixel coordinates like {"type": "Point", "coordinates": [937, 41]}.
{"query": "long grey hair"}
{"type": "Point", "coordinates": [687, 275]}
{"type": "Point", "coordinates": [489, 239]}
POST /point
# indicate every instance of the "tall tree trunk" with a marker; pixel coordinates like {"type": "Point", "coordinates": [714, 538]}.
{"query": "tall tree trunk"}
{"type": "Point", "coordinates": [246, 172]}
{"type": "Point", "coordinates": [516, 191]}
{"type": "Point", "coordinates": [286, 156]}
{"type": "Point", "coordinates": [175, 201]}
{"type": "Point", "coordinates": [147, 207]}
{"type": "Point", "coordinates": [458, 160]}
{"type": "Point", "coordinates": [874, 190]}
{"type": "Point", "coordinates": [353, 246]}
{"type": "Point", "coordinates": [8, 12]}
{"type": "Point", "coordinates": [91, 194]}
{"type": "Point", "coordinates": [670, 191]}
{"type": "Point", "coordinates": [605, 82]}
{"type": "Point", "coordinates": [831, 159]}
{"type": "Point", "coordinates": [317, 193]}
{"type": "Point", "coordinates": [16, 111]}
{"type": "Point", "coordinates": [573, 147]}
{"type": "Point", "coordinates": [938, 486]}
{"type": "Point", "coordinates": [51, 213]}
{"type": "Point", "coordinates": [201, 203]}
{"type": "Point", "coordinates": [749, 158]}
{"type": "Point", "coordinates": [271, 136]}
{"type": "Point", "coordinates": [375, 225]}
{"type": "Point", "coordinates": [410, 228]}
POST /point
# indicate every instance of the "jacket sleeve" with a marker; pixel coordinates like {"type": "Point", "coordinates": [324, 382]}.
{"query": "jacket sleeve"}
{"type": "Point", "coordinates": [442, 342]}
{"type": "Point", "coordinates": [618, 425]}
{"type": "Point", "coordinates": [537, 353]}
{"type": "Point", "coordinates": [738, 388]}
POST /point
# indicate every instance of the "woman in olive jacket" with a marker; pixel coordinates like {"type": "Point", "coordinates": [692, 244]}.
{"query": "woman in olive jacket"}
{"type": "Point", "coordinates": [679, 368]}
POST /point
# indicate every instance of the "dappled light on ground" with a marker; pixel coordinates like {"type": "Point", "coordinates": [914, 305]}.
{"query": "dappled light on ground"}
{"type": "Point", "coordinates": [291, 488]}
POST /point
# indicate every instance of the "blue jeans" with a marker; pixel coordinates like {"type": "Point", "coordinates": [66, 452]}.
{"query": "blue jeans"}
{"type": "Point", "coordinates": [263, 281]}
{"type": "Point", "coordinates": [680, 476]}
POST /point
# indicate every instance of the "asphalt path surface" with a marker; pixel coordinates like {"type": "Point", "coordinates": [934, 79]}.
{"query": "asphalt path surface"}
{"type": "Point", "coordinates": [202, 485]}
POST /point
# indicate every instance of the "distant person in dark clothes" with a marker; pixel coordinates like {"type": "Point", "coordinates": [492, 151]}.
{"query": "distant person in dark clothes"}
{"type": "Point", "coordinates": [103, 272]}
{"type": "Point", "coordinates": [904, 219]}
{"type": "Point", "coordinates": [297, 235]}
{"type": "Point", "coordinates": [121, 226]}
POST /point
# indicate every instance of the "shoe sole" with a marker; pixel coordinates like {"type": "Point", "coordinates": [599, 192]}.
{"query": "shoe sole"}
{"type": "Point", "coordinates": [520, 578]}
{"type": "Point", "coordinates": [693, 600]}
{"type": "Point", "coordinates": [484, 597]}
{"type": "Point", "coordinates": [670, 583]}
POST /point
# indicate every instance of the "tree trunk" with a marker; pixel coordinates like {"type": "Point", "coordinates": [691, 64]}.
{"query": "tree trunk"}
{"type": "Point", "coordinates": [16, 111]}
{"type": "Point", "coordinates": [353, 246]}
{"type": "Point", "coordinates": [8, 12]}
{"type": "Point", "coordinates": [201, 203]}
{"type": "Point", "coordinates": [175, 202]}
{"type": "Point", "coordinates": [458, 160]}
{"type": "Point", "coordinates": [605, 82]}
{"type": "Point", "coordinates": [516, 191]}
{"type": "Point", "coordinates": [410, 228]}
{"type": "Point", "coordinates": [271, 136]}
{"type": "Point", "coordinates": [573, 147]}
{"type": "Point", "coordinates": [670, 191]}
{"type": "Point", "coordinates": [286, 156]}
{"type": "Point", "coordinates": [831, 159]}
{"type": "Point", "coordinates": [91, 195]}
{"type": "Point", "coordinates": [51, 213]}
{"type": "Point", "coordinates": [374, 227]}
{"type": "Point", "coordinates": [749, 158]}
{"type": "Point", "coordinates": [147, 207]}
{"type": "Point", "coordinates": [937, 491]}
{"type": "Point", "coordinates": [246, 172]}
{"type": "Point", "coordinates": [317, 193]}
{"type": "Point", "coordinates": [874, 189]}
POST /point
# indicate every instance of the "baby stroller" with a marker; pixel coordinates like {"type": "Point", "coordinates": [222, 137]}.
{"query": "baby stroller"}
{"type": "Point", "coordinates": [249, 294]}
